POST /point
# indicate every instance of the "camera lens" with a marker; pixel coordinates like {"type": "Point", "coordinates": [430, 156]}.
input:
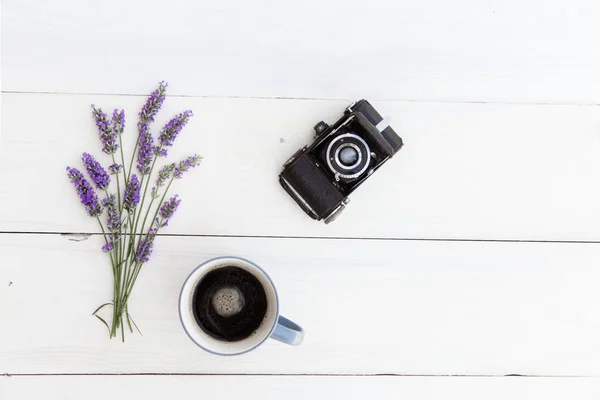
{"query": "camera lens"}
{"type": "Point", "coordinates": [348, 156]}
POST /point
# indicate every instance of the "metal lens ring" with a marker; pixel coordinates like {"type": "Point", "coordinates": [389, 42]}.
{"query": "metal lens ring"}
{"type": "Point", "coordinates": [346, 143]}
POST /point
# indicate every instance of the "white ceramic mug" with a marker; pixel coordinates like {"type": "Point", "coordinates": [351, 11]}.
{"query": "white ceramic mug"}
{"type": "Point", "coordinates": [273, 324]}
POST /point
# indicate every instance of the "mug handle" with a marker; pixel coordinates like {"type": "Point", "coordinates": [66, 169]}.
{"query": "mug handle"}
{"type": "Point", "coordinates": [288, 332]}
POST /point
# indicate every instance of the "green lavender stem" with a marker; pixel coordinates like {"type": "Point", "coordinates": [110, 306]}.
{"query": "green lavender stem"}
{"type": "Point", "coordinates": [132, 157]}
{"type": "Point", "coordinates": [135, 269]}
{"type": "Point", "coordinates": [161, 201]}
{"type": "Point", "coordinates": [158, 207]}
{"type": "Point", "coordinates": [143, 200]}
{"type": "Point", "coordinates": [123, 233]}
{"type": "Point", "coordinates": [116, 294]}
{"type": "Point", "coordinates": [129, 266]}
{"type": "Point", "coordinates": [118, 184]}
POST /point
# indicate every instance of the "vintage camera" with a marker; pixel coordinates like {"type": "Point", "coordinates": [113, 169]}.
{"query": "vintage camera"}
{"type": "Point", "coordinates": [320, 177]}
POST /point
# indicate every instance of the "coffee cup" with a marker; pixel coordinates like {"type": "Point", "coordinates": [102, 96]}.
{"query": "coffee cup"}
{"type": "Point", "coordinates": [229, 306]}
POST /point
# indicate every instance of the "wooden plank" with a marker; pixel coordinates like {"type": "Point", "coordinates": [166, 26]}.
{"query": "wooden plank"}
{"type": "Point", "coordinates": [368, 307]}
{"type": "Point", "coordinates": [471, 171]}
{"type": "Point", "coordinates": [296, 387]}
{"type": "Point", "coordinates": [388, 50]}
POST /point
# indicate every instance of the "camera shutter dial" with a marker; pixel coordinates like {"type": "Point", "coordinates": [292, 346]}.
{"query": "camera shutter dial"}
{"type": "Point", "coordinates": [320, 128]}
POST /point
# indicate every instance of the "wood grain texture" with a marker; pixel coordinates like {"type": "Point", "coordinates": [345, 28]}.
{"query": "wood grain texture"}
{"type": "Point", "coordinates": [478, 165]}
{"type": "Point", "coordinates": [467, 50]}
{"type": "Point", "coordinates": [368, 307]}
{"type": "Point", "coordinates": [467, 171]}
{"type": "Point", "coordinates": [296, 387]}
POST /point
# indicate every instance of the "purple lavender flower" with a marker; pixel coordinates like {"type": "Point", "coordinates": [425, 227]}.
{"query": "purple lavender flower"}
{"type": "Point", "coordinates": [153, 104]}
{"type": "Point", "coordinates": [86, 192]}
{"type": "Point", "coordinates": [95, 171]}
{"type": "Point", "coordinates": [144, 249]}
{"type": "Point", "coordinates": [131, 198]}
{"type": "Point", "coordinates": [108, 247]}
{"type": "Point", "coordinates": [145, 151]}
{"type": "Point", "coordinates": [165, 174]}
{"type": "Point", "coordinates": [115, 168]}
{"type": "Point", "coordinates": [107, 135]}
{"type": "Point", "coordinates": [118, 121]}
{"type": "Point", "coordinates": [159, 151]}
{"type": "Point", "coordinates": [186, 164]}
{"type": "Point", "coordinates": [113, 216]}
{"type": "Point", "coordinates": [146, 147]}
{"type": "Point", "coordinates": [168, 209]}
{"type": "Point", "coordinates": [169, 132]}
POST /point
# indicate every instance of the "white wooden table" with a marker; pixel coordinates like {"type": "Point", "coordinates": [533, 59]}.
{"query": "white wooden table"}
{"type": "Point", "coordinates": [468, 267]}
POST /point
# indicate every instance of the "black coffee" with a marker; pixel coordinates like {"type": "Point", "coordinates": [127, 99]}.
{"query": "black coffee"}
{"type": "Point", "coordinates": [229, 303]}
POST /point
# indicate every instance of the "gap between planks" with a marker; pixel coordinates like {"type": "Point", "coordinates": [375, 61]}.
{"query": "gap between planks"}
{"type": "Point", "coordinates": [80, 236]}
{"type": "Point", "coordinates": [399, 100]}
{"type": "Point", "coordinates": [8, 375]}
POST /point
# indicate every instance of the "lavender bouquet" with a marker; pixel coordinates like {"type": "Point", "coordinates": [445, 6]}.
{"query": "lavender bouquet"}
{"type": "Point", "coordinates": [128, 231]}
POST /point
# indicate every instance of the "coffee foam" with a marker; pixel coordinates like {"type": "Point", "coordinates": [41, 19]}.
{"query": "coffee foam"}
{"type": "Point", "coordinates": [228, 301]}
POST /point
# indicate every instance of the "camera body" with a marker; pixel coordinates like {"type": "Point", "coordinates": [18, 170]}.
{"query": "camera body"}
{"type": "Point", "coordinates": [320, 177]}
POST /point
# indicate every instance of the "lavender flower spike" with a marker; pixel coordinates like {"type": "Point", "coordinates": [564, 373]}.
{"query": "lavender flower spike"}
{"type": "Point", "coordinates": [108, 247]}
{"type": "Point", "coordinates": [107, 135]}
{"type": "Point", "coordinates": [115, 168]}
{"type": "Point", "coordinates": [131, 198]}
{"type": "Point", "coordinates": [86, 192]}
{"type": "Point", "coordinates": [95, 171]}
{"type": "Point", "coordinates": [165, 174]}
{"type": "Point", "coordinates": [145, 142]}
{"type": "Point", "coordinates": [118, 121]}
{"type": "Point", "coordinates": [168, 209]}
{"type": "Point", "coordinates": [144, 250]}
{"type": "Point", "coordinates": [153, 104]}
{"type": "Point", "coordinates": [114, 217]}
{"type": "Point", "coordinates": [145, 150]}
{"type": "Point", "coordinates": [169, 132]}
{"type": "Point", "coordinates": [185, 165]}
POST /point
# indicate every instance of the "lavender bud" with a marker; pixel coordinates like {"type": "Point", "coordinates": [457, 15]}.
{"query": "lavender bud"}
{"type": "Point", "coordinates": [171, 130]}
{"type": "Point", "coordinates": [108, 247]}
{"type": "Point", "coordinates": [131, 198]}
{"type": "Point", "coordinates": [108, 136]}
{"type": "Point", "coordinates": [145, 151]}
{"type": "Point", "coordinates": [95, 171]}
{"type": "Point", "coordinates": [86, 192]}
{"type": "Point", "coordinates": [115, 169]}
{"type": "Point", "coordinates": [153, 104]}
{"type": "Point", "coordinates": [168, 209]}
{"type": "Point", "coordinates": [113, 217]}
{"type": "Point", "coordinates": [160, 152]}
{"type": "Point", "coordinates": [118, 121]}
{"type": "Point", "coordinates": [185, 165]}
{"type": "Point", "coordinates": [165, 174]}
{"type": "Point", "coordinates": [144, 250]}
